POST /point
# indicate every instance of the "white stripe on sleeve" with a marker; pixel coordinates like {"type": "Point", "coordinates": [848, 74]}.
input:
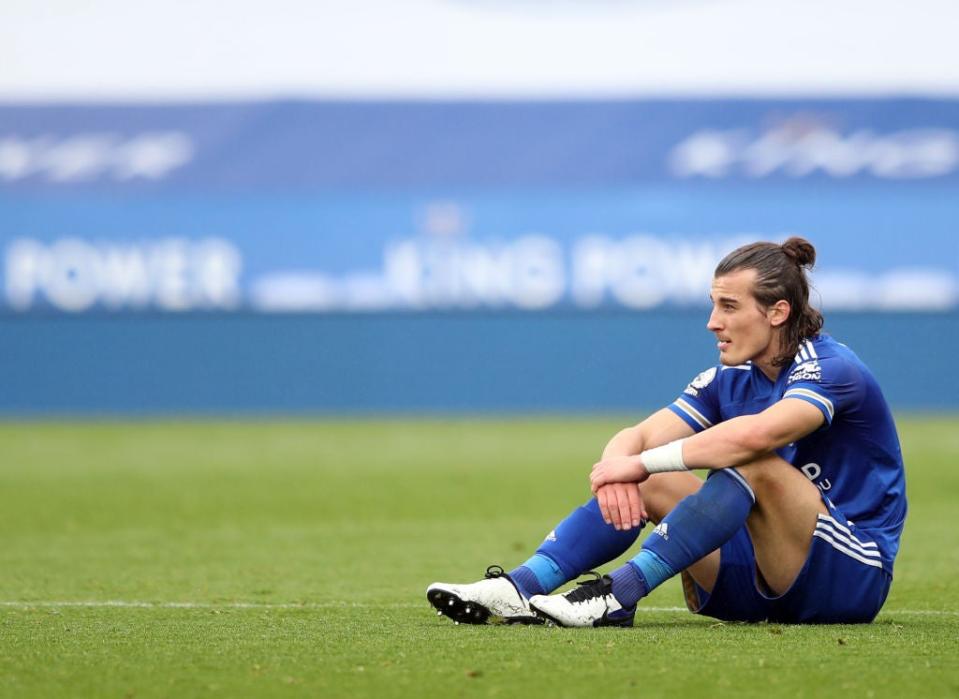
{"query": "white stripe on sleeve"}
{"type": "Point", "coordinates": [693, 413]}
{"type": "Point", "coordinates": [812, 395]}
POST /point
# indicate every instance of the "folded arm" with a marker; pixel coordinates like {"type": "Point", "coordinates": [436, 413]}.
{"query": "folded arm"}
{"type": "Point", "coordinates": [745, 438]}
{"type": "Point", "coordinates": [730, 443]}
{"type": "Point", "coordinates": [622, 503]}
{"type": "Point", "coordinates": [661, 427]}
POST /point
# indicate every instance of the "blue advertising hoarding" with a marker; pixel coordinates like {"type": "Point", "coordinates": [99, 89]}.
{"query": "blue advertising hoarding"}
{"type": "Point", "coordinates": [412, 233]}
{"type": "Point", "coordinates": [323, 207]}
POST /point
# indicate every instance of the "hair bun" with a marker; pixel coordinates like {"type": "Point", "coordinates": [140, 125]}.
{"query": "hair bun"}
{"type": "Point", "coordinates": [800, 251]}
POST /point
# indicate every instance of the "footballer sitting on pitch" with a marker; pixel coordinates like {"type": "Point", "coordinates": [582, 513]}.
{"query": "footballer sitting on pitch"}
{"type": "Point", "coordinates": [800, 516]}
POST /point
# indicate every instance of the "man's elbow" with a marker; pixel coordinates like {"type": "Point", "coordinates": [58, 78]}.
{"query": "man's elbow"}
{"type": "Point", "coordinates": [755, 438]}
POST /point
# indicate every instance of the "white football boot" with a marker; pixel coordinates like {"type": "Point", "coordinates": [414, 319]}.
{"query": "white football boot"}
{"type": "Point", "coordinates": [493, 600]}
{"type": "Point", "coordinates": [590, 604]}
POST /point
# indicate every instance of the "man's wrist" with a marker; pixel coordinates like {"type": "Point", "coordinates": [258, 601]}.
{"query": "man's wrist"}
{"type": "Point", "coordinates": [666, 458]}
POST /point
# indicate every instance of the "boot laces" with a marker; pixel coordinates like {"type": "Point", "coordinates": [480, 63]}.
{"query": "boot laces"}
{"type": "Point", "coordinates": [496, 572]}
{"type": "Point", "coordinates": [589, 589]}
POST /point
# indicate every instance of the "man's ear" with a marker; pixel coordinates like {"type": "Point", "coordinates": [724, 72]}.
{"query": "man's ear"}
{"type": "Point", "coordinates": [778, 313]}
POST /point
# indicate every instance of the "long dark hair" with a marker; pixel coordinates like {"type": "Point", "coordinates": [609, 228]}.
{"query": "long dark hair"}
{"type": "Point", "coordinates": [781, 276]}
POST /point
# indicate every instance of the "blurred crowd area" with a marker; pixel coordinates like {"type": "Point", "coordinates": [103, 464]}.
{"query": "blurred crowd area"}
{"type": "Point", "coordinates": [332, 176]}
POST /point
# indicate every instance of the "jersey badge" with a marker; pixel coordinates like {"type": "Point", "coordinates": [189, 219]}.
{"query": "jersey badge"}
{"type": "Point", "coordinates": [701, 382]}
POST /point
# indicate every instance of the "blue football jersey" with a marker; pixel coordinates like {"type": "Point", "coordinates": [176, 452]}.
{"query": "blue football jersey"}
{"type": "Point", "coordinates": [854, 458]}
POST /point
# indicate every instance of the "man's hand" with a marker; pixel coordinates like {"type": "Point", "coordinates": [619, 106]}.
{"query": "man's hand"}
{"type": "Point", "coordinates": [621, 505]}
{"type": "Point", "coordinates": [617, 469]}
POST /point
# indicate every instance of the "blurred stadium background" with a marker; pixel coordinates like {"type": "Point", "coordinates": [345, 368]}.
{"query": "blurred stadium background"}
{"type": "Point", "coordinates": [438, 205]}
{"type": "Point", "coordinates": [307, 216]}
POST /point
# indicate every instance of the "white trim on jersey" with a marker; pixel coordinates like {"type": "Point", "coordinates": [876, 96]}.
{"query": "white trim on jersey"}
{"type": "Point", "coordinates": [811, 349]}
{"type": "Point", "coordinates": [812, 395]}
{"type": "Point", "coordinates": [851, 542]}
{"type": "Point", "coordinates": [874, 562]}
{"type": "Point", "coordinates": [693, 413]}
{"type": "Point", "coordinates": [848, 532]}
{"type": "Point", "coordinates": [747, 367]}
{"type": "Point", "coordinates": [801, 356]}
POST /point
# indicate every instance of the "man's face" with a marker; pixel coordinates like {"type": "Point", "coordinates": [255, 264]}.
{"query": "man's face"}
{"type": "Point", "coordinates": [744, 330]}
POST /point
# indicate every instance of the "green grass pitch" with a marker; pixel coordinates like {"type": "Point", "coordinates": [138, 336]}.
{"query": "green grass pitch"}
{"type": "Point", "coordinates": [290, 559]}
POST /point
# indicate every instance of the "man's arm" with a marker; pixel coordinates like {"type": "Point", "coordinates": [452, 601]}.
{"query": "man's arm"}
{"type": "Point", "coordinates": [660, 428]}
{"type": "Point", "coordinates": [743, 439]}
{"type": "Point", "coordinates": [730, 443]}
{"type": "Point", "coordinates": [621, 503]}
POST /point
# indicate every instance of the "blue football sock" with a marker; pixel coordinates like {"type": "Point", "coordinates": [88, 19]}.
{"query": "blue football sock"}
{"type": "Point", "coordinates": [699, 524]}
{"type": "Point", "coordinates": [639, 576]}
{"type": "Point", "coordinates": [538, 576]}
{"type": "Point", "coordinates": [579, 543]}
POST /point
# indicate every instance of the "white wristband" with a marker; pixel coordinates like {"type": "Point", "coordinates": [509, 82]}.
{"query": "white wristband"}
{"type": "Point", "coordinates": [668, 457]}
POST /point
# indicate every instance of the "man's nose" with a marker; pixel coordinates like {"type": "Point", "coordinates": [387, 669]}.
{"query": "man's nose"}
{"type": "Point", "coordinates": [713, 323]}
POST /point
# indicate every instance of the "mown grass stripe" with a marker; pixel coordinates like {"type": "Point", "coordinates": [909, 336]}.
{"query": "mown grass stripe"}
{"type": "Point", "coordinates": [137, 604]}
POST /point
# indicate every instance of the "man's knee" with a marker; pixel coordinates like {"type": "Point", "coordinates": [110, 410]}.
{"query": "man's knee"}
{"type": "Point", "coordinates": [775, 481]}
{"type": "Point", "coordinates": [782, 522]}
{"type": "Point", "coordinates": [663, 491]}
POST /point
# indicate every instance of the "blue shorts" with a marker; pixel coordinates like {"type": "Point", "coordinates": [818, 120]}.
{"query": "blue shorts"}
{"type": "Point", "coordinates": [841, 582]}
